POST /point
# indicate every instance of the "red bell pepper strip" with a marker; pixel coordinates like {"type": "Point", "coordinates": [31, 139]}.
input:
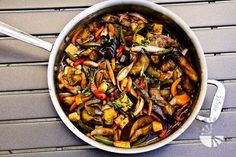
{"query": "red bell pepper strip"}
{"type": "Point", "coordinates": [96, 92]}
{"type": "Point", "coordinates": [120, 50]}
{"type": "Point", "coordinates": [142, 83]}
{"type": "Point", "coordinates": [79, 61]}
{"type": "Point", "coordinates": [128, 38]}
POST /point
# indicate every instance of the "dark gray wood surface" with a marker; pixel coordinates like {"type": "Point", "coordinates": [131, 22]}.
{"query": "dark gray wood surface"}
{"type": "Point", "coordinates": [29, 125]}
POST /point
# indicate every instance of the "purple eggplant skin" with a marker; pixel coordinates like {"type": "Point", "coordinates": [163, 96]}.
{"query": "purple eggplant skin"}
{"type": "Point", "coordinates": [157, 109]}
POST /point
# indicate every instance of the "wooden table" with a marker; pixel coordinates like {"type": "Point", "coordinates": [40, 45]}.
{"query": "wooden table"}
{"type": "Point", "coordinates": [29, 125]}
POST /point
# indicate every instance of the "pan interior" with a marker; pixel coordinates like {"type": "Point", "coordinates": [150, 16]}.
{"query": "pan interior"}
{"type": "Point", "coordinates": [153, 15]}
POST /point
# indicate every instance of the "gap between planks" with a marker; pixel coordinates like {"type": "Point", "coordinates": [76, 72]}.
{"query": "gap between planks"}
{"type": "Point", "coordinates": [55, 35]}
{"type": "Point", "coordinates": [88, 147]}
{"type": "Point", "coordinates": [37, 91]}
{"type": "Point", "coordinates": [57, 119]}
{"type": "Point", "coordinates": [43, 63]}
{"type": "Point", "coordinates": [62, 8]}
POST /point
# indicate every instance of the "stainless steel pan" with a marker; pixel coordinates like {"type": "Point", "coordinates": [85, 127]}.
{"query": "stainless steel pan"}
{"type": "Point", "coordinates": [153, 11]}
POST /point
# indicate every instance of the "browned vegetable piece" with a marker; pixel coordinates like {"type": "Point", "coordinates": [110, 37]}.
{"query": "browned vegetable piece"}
{"type": "Point", "coordinates": [150, 104]}
{"type": "Point", "coordinates": [167, 65]}
{"type": "Point", "coordinates": [185, 65]}
{"type": "Point", "coordinates": [124, 122]}
{"type": "Point", "coordinates": [157, 126]}
{"type": "Point", "coordinates": [167, 108]}
{"type": "Point", "coordinates": [85, 127]}
{"type": "Point", "coordinates": [99, 77]}
{"type": "Point", "coordinates": [165, 93]}
{"type": "Point", "coordinates": [155, 59]}
{"type": "Point", "coordinates": [86, 117]}
{"type": "Point", "coordinates": [187, 84]}
{"type": "Point", "coordinates": [119, 119]}
{"type": "Point", "coordinates": [112, 30]}
{"type": "Point", "coordinates": [103, 87]}
{"type": "Point", "coordinates": [90, 63]}
{"type": "Point", "coordinates": [74, 117]}
{"type": "Point", "coordinates": [155, 94]}
{"type": "Point", "coordinates": [153, 72]}
{"type": "Point", "coordinates": [103, 131]}
{"type": "Point", "coordinates": [182, 113]}
{"type": "Point", "coordinates": [142, 131]}
{"type": "Point", "coordinates": [83, 36]}
{"type": "Point", "coordinates": [93, 56]}
{"type": "Point", "coordinates": [142, 63]}
{"type": "Point", "coordinates": [163, 41]}
{"type": "Point", "coordinates": [111, 73]}
{"type": "Point", "coordinates": [157, 28]}
{"type": "Point", "coordinates": [124, 83]}
{"type": "Point", "coordinates": [123, 102]}
{"type": "Point", "coordinates": [122, 144]}
{"type": "Point", "coordinates": [109, 115]}
{"type": "Point", "coordinates": [140, 123]}
{"type": "Point", "coordinates": [83, 81]}
{"type": "Point", "coordinates": [63, 84]}
{"type": "Point", "coordinates": [69, 100]}
{"type": "Point", "coordinates": [70, 50]}
{"type": "Point", "coordinates": [109, 18]}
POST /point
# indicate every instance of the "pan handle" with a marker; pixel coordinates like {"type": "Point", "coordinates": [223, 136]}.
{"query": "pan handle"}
{"type": "Point", "coordinates": [23, 36]}
{"type": "Point", "coordinates": [217, 103]}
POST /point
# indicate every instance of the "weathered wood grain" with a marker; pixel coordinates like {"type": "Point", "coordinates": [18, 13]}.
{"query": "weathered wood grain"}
{"type": "Point", "coordinates": [31, 4]}
{"type": "Point", "coordinates": [55, 134]}
{"type": "Point", "coordinates": [21, 77]}
{"type": "Point", "coordinates": [213, 41]}
{"type": "Point", "coordinates": [39, 105]}
{"type": "Point", "coordinates": [49, 21]}
{"type": "Point", "coordinates": [26, 106]}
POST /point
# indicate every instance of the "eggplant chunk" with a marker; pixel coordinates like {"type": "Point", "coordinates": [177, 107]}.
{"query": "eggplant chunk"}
{"type": "Point", "coordinates": [187, 84]}
{"type": "Point", "coordinates": [168, 64]}
{"type": "Point", "coordinates": [140, 123]}
{"type": "Point", "coordinates": [142, 63]}
{"type": "Point", "coordinates": [185, 65]}
{"type": "Point", "coordinates": [103, 131]}
{"type": "Point", "coordinates": [142, 131]}
{"type": "Point", "coordinates": [155, 94]}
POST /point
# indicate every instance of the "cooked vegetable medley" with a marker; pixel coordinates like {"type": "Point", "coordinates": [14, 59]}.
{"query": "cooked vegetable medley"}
{"type": "Point", "coordinates": [126, 81]}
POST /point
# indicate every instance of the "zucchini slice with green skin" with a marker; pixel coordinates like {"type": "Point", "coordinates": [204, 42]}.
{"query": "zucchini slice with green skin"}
{"type": "Point", "coordinates": [103, 140]}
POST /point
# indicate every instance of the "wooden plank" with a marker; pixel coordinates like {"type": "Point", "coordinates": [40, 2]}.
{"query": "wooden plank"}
{"type": "Point", "coordinates": [186, 150]}
{"type": "Point", "coordinates": [26, 106]}
{"type": "Point", "coordinates": [34, 135]}
{"type": "Point", "coordinates": [217, 40]}
{"type": "Point", "coordinates": [221, 66]}
{"type": "Point", "coordinates": [216, 65]}
{"type": "Point", "coordinates": [31, 4]}
{"type": "Point", "coordinates": [55, 134]}
{"type": "Point", "coordinates": [212, 14]}
{"type": "Point", "coordinates": [23, 77]}
{"type": "Point", "coordinates": [39, 105]}
{"type": "Point", "coordinates": [205, 14]}
{"type": "Point", "coordinates": [12, 50]}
